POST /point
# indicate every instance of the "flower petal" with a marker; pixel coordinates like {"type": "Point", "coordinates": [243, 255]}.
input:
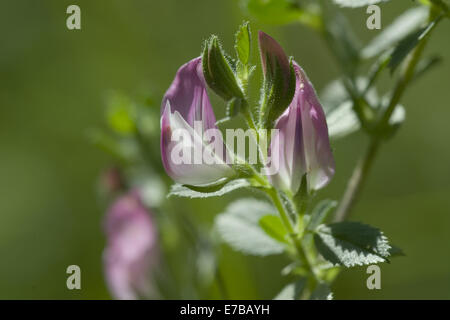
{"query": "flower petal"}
{"type": "Point", "coordinates": [193, 171]}
{"type": "Point", "coordinates": [320, 164]}
{"type": "Point", "coordinates": [186, 107]}
{"type": "Point", "coordinates": [187, 95]}
{"type": "Point", "coordinates": [290, 148]}
{"type": "Point", "coordinates": [303, 146]}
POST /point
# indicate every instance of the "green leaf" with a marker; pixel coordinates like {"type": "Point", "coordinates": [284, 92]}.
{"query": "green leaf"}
{"type": "Point", "coordinates": [239, 227]}
{"type": "Point", "coordinates": [216, 190]}
{"type": "Point", "coordinates": [292, 291]}
{"type": "Point", "coordinates": [243, 43]}
{"type": "Point", "coordinates": [342, 121]}
{"type": "Point", "coordinates": [351, 243]}
{"type": "Point", "coordinates": [338, 106]}
{"type": "Point", "coordinates": [281, 12]}
{"type": "Point", "coordinates": [152, 189]}
{"type": "Point", "coordinates": [398, 116]}
{"type": "Point", "coordinates": [442, 5]}
{"type": "Point", "coordinates": [409, 43]}
{"type": "Point", "coordinates": [320, 213]}
{"type": "Point", "coordinates": [322, 292]}
{"type": "Point", "coordinates": [396, 252]}
{"type": "Point", "coordinates": [233, 107]}
{"type": "Point", "coordinates": [405, 24]}
{"type": "Point", "coordinates": [333, 95]}
{"type": "Point", "coordinates": [357, 3]}
{"type": "Point", "coordinates": [343, 42]}
{"type": "Point", "coordinates": [273, 226]}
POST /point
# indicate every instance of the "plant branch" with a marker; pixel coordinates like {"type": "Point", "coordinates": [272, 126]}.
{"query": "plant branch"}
{"type": "Point", "coordinates": [361, 171]}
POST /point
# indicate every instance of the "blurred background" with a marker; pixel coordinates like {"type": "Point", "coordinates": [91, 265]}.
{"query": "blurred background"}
{"type": "Point", "coordinates": [53, 84]}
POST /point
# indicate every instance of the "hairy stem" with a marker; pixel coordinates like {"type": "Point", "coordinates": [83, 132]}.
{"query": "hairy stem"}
{"type": "Point", "coordinates": [276, 199]}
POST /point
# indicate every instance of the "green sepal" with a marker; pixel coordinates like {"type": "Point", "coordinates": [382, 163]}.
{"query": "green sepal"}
{"type": "Point", "coordinates": [277, 93]}
{"type": "Point", "coordinates": [219, 72]}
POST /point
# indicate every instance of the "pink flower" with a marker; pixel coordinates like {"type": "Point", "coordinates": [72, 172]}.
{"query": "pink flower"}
{"type": "Point", "coordinates": [302, 141]}
{"type": "Point", "coordinates": [131, 249]}
{"type": "Point", "coordinates": [186, 107]}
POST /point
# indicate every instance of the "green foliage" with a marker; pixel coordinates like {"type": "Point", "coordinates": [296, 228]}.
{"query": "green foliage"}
{"type": "Point", "coordinates": [442, 5]}
{"type": "Point", "coordinates": [243, 44]}
{"type": "Point", "coordinates": [396, 252]}
{"type": "Point", "coordinates": [322, 292]}
{"type": "Point", "coordinates": [408, 22]}
{"type": "Point", "coordinates": [38, 178]}
{"type": "Point", "coordinates": [338, 105]}
{"type": "Point", "coordinates": [409, 43]}
{"type": "Point", "coordinates": [243, 48]}
{"type": "Point", "coordinates": [292, 291]}
{"type": "Point", "coordinates": [343, 42]}
{"type": "Point", "coordinates": [333, 95]}
{"type": "Point", "coordinates": [357, 3]}
{"type": "Point", "coordinates": [351, 243]}
{"type": "Point", "coordinates": [281, 12]}
{"type": "Point", "coordinates": [233, 107]}
{"type": "Point", "coordinates": [339, 108]}
{"type": "Point", "coordinates": [342, 121]}
{"type": "Point", "coordinates": [239, 227]}
{"type": "Point", "coordinates": [273, 226]}
{"type": "Point", "coordinates": [215, 190]}
{"type": "Point", "coordinates": [320, 213]}
{"type": "Point", "coordinates": [218, 72]}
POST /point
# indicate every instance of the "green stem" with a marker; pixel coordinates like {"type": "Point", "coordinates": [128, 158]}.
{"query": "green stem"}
{"type": "Point", "coordinates": [249, 118]}
{"type": "Point", "coordinates": [275, 197]}
{"type": "Point", "coordinates": [221, 284]}
{"type": "Point", "coordinates": [357, 181]}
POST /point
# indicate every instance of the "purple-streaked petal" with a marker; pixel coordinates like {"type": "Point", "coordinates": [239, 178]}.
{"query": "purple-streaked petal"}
{"type": "Point", "coordinates": [290, 148]}
{"type": "Point", "coordinates": [188, 173]}
{"type": "Point", "coordinates": [320, 164]}
{"type": "Point", "coordinates": [187, 95]}
{"type": "Point", "coordinates": [303, 146]}
{"type": "Point", "coordinates": [186, 107]}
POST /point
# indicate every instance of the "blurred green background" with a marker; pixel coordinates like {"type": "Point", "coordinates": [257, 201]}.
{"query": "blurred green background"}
{"type": "Point", "coordinates": [52, 88]}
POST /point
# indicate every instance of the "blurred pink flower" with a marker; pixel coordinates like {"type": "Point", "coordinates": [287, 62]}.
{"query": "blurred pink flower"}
{"type": "Point", "coordinates": [131, 249]}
